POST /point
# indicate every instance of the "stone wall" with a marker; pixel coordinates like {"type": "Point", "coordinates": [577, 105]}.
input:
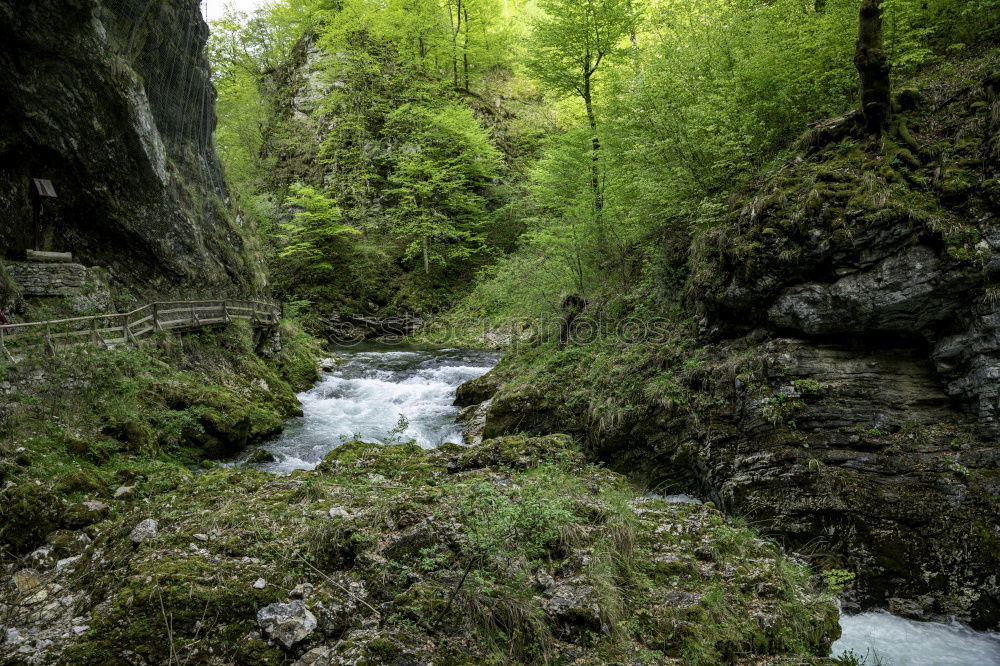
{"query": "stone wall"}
{"type": "Point", "coordinates": [56, 279]}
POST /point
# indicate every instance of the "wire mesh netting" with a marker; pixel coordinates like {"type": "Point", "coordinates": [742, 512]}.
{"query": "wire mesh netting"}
{"type": "Point", "coordinates": [163, 42]}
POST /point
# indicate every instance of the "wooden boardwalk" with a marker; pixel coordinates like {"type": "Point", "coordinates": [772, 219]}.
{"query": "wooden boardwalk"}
{"type": "Point", "coordinates": [108, 330]}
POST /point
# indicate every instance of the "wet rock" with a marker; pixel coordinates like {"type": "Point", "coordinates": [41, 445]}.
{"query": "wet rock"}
{"type": "Point", "coordinates": [144, 531]}
{"type": "Point", "coordinates": [473, 422]}
{"type": "Point", "coordinates": [477, 391]}
{"type": "Point", "coordinates": [260, 456]}
{"type": "Point", "coordinates": [286, 624]}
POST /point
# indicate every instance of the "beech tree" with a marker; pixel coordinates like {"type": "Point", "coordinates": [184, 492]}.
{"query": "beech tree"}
{"type": "Point", "coordinates": [572, 39]}
{"type": "Point", "coordinates": [443, 161]}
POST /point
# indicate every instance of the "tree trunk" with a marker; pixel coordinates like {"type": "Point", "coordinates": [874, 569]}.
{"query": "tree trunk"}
{"type": "Point", "coordinates": [455, 17]}
{"type": "Point", "coordinates": [465, 49]}
{"type": "Point", "coordinates": [873, 68]}
{"type": "Point", "coordinates": [427, 258]}
{"type": "Point", "coordinates": [595, 179]}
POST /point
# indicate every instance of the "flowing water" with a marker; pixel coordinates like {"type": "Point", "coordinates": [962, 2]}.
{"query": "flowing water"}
{"type": "Point", "coordinates": [365, 395]}
{"type": "Point", "coordinates": [881, 639]}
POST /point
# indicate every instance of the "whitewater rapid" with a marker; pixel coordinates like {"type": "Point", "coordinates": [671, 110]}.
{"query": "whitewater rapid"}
{"type": "Point", "coordinates": [881, 639]}
{"type": "Point", "coordinates": [365, 395]}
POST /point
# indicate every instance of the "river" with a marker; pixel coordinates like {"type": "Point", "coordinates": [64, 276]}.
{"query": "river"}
{"type": "Point", "coordinates": [367, 393]}
{"type": "Point", "coordinates": [372, 387]}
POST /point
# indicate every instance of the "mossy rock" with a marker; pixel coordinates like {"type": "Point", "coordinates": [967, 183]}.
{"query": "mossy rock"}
{"type": "Point", "coordinates": [28, 512]}
{"type": "Point", "coordinates": [84, 481]}
{"type": "Point", "coordinates": [260, 456]}
{"type": "Point", "coordinates": [187, 590]}
{"type": "Point", "coordinates": [84, 514]}
{"type": "Point", "coordinates": [402, 461]}
{"type": "Point", "coordinates": [517, 451]}
{"type": "Point", "coordinates": [137, 435]}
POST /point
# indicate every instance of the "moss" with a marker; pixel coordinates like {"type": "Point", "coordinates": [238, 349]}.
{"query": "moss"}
{"type": "Point", "coordinates": [28, 512]}
{"type": "Point", "coordinates": [10, 291]}
{"type": "Point", "coordinates": [85, 481]}
{"type": "Point", "coordinates": [140, 416]}
{"type": "Point", "coordinates": [441, 549]}
{"type": "Point", "coordinates": [176, 596]}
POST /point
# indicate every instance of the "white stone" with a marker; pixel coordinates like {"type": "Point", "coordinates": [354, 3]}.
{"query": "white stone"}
{"type": "Point", "coordinates": [286, 624]}
{"type": "Point", "coordinates": [144, 531]}
{"type": "Point", "coordinates": [125, 492]}
{"type": "Point", "coordinates": [259, 584]}
{"type": "Point", "coordinates": [62, 564]}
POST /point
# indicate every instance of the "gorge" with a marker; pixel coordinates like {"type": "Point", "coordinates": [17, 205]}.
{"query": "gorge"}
{"type": "Point", "coordinates": [548, 271]}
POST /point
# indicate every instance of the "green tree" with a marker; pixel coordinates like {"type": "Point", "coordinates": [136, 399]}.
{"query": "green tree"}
{"type": "Point", "coordinates": [572, 39]}
{"type": "Point", "coordinates": [311, 236]}
{"type": "Point", "coordinates": [443, 161]}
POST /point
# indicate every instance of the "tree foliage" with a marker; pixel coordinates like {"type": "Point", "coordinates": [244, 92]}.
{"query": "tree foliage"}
{"type": "Point", "coordinates": [390, 150]}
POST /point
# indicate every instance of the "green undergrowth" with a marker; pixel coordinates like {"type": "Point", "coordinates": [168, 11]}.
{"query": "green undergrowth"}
{"type": "Point", "coordinates": [83, 422]}
{"type": "Point", "coordinates": [929, 175]}
{"type": "Point", "coordinates": [515, 551]}
{"type": "Point", "coordinates": [608, 374]}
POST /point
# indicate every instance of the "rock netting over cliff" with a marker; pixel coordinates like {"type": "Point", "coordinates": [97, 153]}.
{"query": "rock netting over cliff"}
{"type": "Point", "coordinates": [111, 100]}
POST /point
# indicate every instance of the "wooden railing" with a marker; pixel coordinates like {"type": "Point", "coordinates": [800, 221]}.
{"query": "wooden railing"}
{"type": "Point", "coordinates": [108, 330]}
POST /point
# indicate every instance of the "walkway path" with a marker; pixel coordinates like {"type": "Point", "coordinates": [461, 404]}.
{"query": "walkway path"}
{"type": "Point", "coordinates": [108, 330]}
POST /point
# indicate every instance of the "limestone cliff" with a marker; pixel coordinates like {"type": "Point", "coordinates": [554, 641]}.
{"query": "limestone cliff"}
{"type": "Point", "coordinates": [112, 101]}
{"type": "Point", "coordinates": [845, 395]}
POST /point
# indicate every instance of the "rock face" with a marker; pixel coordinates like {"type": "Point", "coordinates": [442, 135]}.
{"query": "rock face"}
{"type": "Point", "coordinates": [851, 331]}
{"type": "Point", "coordinates": [112, 102]}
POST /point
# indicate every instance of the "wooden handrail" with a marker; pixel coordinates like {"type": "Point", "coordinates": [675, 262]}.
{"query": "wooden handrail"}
{"type": "Point", "coordinates": [131, 326]}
